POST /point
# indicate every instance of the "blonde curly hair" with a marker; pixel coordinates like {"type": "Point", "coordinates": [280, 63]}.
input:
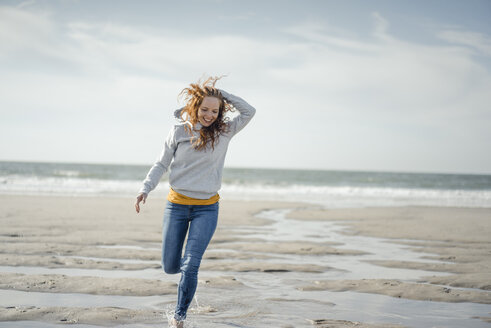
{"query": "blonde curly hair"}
{"type": "Point", "coordinates": [193, 97]}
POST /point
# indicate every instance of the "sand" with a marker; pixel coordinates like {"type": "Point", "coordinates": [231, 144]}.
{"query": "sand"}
{"type": "Point", "coordinates": [100, 246]}
{"type": "Point", "coordinates": [459, 236]}
{"type": "Point", "coordinates": [394, 288]}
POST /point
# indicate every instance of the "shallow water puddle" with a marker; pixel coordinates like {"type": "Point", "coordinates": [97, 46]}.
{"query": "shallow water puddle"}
{"type": "Point", "coordinates": [36, 324]}
{"type": "Point", "coordinates": [144, 274]}
{"type": "Point", "coordinates": [153, 248]}
{"type": "Point", "coordinates": [384, 309]}
{"type": "Point", "coordinates": [353, 266]}
{"type": "Point", "coordinates": [107, 259]}
{"type": "Point", "coordinates": [19, 298]}
{"type": "Point", "coordinates": [332, 232]}
{"type": "Point", "coordinates": [291, 306]}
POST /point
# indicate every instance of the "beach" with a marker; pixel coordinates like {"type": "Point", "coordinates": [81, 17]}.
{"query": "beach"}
{"type": "Point", "coordinates": [92, 261]}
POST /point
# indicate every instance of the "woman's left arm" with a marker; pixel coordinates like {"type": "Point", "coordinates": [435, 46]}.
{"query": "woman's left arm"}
{"type": "Point", "coordinates": [246, 111]}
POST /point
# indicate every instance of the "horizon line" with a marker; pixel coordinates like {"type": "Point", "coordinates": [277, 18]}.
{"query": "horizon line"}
{"type": "Point", "coordinates": [257, 167]}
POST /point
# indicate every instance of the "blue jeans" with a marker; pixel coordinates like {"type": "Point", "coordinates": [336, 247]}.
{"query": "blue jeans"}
{"type": "Point", "coordinates": [201, 221]}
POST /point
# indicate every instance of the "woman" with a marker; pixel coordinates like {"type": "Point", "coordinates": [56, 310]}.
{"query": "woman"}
{"type": "Point", "coordinates": [194, 152]}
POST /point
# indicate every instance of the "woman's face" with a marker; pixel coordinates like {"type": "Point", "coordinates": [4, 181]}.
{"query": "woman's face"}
{"type": "Point", "coordinates": [208, 111]}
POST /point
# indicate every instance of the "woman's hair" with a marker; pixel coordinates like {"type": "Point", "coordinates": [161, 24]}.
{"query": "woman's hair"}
{"type": "Point", "coordinates": [193, 96]}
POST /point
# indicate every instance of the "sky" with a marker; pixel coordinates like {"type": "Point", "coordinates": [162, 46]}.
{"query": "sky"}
{"type": "Point", "coordinates": [337, 85]}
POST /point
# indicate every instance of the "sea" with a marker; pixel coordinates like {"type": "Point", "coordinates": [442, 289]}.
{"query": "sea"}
{"type": "Point", "coordinates": [327, 188]}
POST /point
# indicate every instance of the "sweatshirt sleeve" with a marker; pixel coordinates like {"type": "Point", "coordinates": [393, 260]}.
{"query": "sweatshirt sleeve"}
{"type": "Point", "coordinates": [246, 112]}
{"type": "Point", "coordinates": [162, 164]}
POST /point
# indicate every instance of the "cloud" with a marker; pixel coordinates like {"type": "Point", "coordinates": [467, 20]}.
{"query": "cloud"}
{"type": "Point", "coordinates": [381, 27]}
{"type": "Point", "coordinates": [25, 4]}
{"type": "Point", "coordinates": [107, 48]}
{"type": "Point", "coordinates": [21, 30]}
{"type": "Point", "coordinates": [383, 75]}
{"type": "Point", "coordinates": [390, 74]}
{"type": "Point", "coordinates": [474, 40]}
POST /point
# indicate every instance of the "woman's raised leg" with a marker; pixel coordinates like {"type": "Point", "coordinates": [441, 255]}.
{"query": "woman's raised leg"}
{"type": "Point", "coordinates": [174, 229]}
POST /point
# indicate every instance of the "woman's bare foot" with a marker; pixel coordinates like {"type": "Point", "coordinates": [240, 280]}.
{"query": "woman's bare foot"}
{"type": "Point", "coordinates": [176, 324]}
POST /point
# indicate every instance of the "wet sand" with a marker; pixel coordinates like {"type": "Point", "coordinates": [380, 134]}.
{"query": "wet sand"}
{"type": "Point", "coordinates": [460, 237]}
{"type": "Point", "coordinates": [303, 267]}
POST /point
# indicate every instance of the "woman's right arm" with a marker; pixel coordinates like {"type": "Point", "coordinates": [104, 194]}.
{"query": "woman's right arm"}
{"type": "Point", "coordinates": [159, 168]}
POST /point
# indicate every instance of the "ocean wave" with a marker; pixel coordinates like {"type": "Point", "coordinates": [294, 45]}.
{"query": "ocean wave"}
{"type": "Point", "coordinates": [328, 196]}
{"type": "Point", "coordinates": [60, 186]}
{"type": "Point", "coordinates": [355, 196]}
{"type": "Point", "coordinates": [67, 173]}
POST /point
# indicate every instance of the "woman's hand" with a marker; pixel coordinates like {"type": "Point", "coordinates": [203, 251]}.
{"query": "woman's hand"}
{"type": "Point", "coordinates": [139, 198]}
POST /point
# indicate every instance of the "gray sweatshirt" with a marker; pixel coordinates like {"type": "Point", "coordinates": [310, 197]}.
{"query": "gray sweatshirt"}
{"type": "Point", "coordinates": [196, 173]}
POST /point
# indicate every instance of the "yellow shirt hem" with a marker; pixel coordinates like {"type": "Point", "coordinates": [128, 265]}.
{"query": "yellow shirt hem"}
{"type": "Point", "coordinates": [177, 198]}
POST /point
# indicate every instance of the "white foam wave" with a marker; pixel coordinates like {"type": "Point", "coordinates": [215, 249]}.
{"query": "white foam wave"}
{"type": "Point", "coordinates": [67, 173]}
{"type": "Point", "coordinates": [62, 186]}
{"type": "Point", "coordinates": [350, 196]}
{"type": "Point", "coordinates": [329, 196]}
